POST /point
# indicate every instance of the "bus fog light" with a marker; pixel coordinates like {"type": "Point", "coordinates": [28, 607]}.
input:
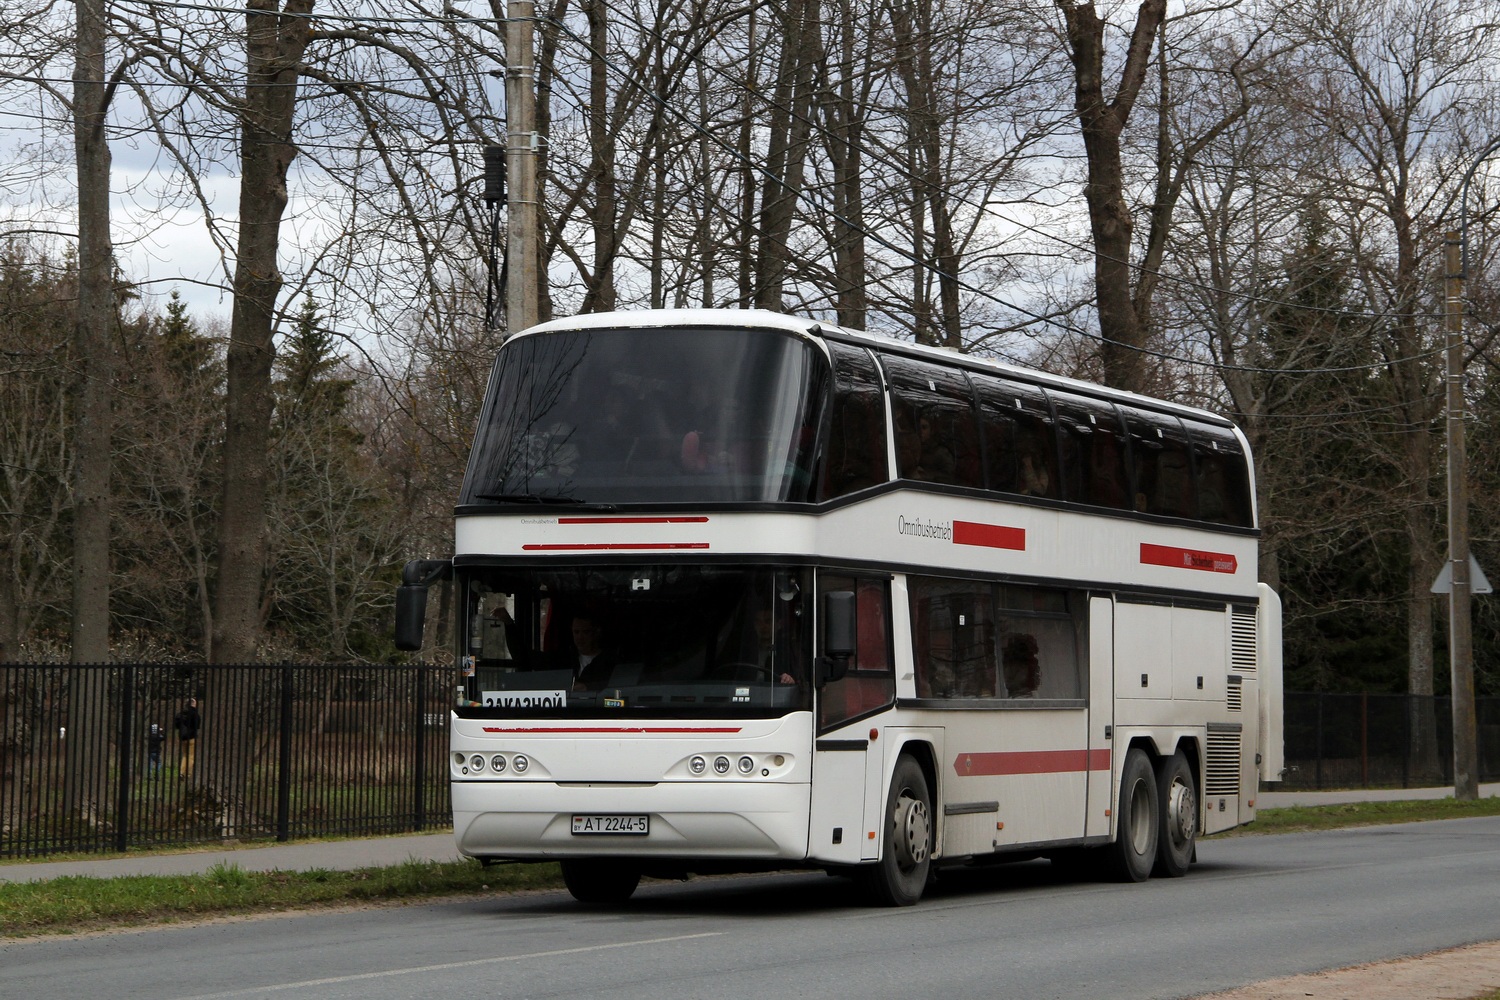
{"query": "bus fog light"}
{"type": "Point", "coordinates": [497, 763]}
{"type": "Point", "coordinates": [778, 760]}
{"type": "Point", "coordinates": [746, 765]}
{"type": "Point", "coordinates": [477, 762]}
{"type": "Point", "coordinates": [697, 765]}
{"type": "Point", "coordinates": [459, 759]}
{"type": "Point", "coordinates": [520, 763]}
{"type": "Point", "coordinates": [721, 765]}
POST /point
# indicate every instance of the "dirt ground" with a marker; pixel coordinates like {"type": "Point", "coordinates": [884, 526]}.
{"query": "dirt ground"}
{"type": "Point", "coordinates": [1459, 974]}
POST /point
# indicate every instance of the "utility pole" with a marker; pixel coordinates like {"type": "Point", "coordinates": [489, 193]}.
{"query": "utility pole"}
{"type": "Point", "coordinates": [523, 247]}
{"type": "Point", "coordinates": [1460, 624]}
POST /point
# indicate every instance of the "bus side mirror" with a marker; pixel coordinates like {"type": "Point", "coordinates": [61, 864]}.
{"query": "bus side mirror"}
{"type": "Point", "coordinates": [411, 599]}
{"type": "Point", "coordinates": [838, 635]}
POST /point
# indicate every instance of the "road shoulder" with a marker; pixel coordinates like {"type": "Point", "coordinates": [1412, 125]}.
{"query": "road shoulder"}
{"type": "Point", "coordinates": [1454, 974]}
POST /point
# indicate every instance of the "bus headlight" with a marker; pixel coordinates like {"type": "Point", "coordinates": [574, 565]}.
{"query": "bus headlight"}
{"type": "Point", "coordinates": [477, 762]}
{"type": "Point", "coordinates": [698, 765]}
{"type": "Point", "coordinates": [497, 763]}
{"type": "Point", "coordinates": [721, 764]}
{"type": "Point", "coordinates": [520, 763]}
{"type": "Point", "coordinates": [746, 765]}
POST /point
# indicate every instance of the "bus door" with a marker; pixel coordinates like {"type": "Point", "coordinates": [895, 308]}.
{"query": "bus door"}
{"type": "Point", "coordinates": [847, 787]}
{"type": "Point", "coordinates": [1005, 665]}
{"type": "Point", "coordinates": [1101, 695]}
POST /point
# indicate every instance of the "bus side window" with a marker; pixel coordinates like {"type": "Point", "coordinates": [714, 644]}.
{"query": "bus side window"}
{"type": "Point", "coordinates": [953, 637]}
{"type": "Point", "coordinates": [1019, 438]}
{"type": "Point", "coordinates": [1093, 443]}
{"type": "Point", "coordinates": [1039, 643]}
{"type": "Point", "coordinates": [1223, 483]}
{"type": "Point", "coordinates": [855, 456]}
{"type": "Point", "coordinates": [937, 428]}
{"type": "Point", "coordinates": [1163, 464]}
{"type": "Point", "coordinates": [870, 683]}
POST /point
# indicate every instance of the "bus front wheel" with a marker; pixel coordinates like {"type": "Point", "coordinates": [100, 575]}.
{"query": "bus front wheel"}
{"type": "Point", "coordinates": [900, 876]}
{"type": "Point", "coordinates": [591, 880]}
{"type": "Point", "coordinates": [1133, 854]}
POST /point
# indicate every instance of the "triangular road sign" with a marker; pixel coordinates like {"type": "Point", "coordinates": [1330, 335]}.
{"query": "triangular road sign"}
{"type": "Point", "coordinates": [1478, 582]}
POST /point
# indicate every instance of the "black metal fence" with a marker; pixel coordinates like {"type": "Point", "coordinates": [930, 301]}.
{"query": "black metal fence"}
{"type": "Point", "coordinates": [302, 751]}
{"type": "Point", "coordinates": [1379, 741]}
{"type": "Point", "coordinates": [283, 752]}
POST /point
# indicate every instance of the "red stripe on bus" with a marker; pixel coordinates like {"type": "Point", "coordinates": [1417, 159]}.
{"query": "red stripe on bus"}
{"type": "Point", "coordinates": [613, 546]}
{"type": "Point", "coordinates": [994, 536]}
{"type": "Point", "coordinates": [633, 520]}
{"type": "Point", "coordinates": [1030, 762]}
{"type": "Point", "coordinates": [575, 730]}
{"type": "Point", "coordinates": [1170, 555]}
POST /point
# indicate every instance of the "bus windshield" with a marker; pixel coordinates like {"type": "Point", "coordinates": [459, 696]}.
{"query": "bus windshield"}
{"type": "Point", "coordinates": [659, 415]}
{"type": "Point", "coordinates": [698, 641]}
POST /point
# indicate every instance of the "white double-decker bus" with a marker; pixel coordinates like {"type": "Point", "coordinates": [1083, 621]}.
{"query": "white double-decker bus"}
{"type": "Point", "coordinates": [739, 591]}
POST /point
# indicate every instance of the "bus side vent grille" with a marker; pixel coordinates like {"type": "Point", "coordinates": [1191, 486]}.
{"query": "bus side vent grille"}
{"type": "Point", "coordinates": [1242, 639]}
{"type": "Point", "coordinates": [1236, 699]}
{"type": "Point", "coordinates": [1223, 764]}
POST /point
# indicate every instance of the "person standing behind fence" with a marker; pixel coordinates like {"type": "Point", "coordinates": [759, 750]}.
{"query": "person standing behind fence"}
{"type": "Point", "coordinates": [186, 724]}
{"type": "Point", "coordinates": [155, 737]}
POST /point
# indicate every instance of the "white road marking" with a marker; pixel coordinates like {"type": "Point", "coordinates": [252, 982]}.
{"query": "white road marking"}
{"type": "Point", "coordinates": [472, 963]}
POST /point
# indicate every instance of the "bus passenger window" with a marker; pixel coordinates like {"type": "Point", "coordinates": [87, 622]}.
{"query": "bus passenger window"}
{"type": "Point", "coordinates": [953, 638]}
{"type": "Point", "coordinates": [1163, 468]}
{"type": "Point", "coordinates": [1223, 480]}
{"type": "Point", "coordinates": [1019, 439]}
{"type": "Point", "coordinates": [854, 456]}
{"type": "Point", "coordinates": [1093, 441]}
{"type": "Point", "coordinates": [937, 429]}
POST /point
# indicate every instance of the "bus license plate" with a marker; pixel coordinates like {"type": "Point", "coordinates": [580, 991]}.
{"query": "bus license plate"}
{"type": "Point", "coordinates": [634, 825]}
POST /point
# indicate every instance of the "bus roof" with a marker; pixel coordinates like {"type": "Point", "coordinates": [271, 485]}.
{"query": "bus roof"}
{"type": "Point", "coordinates": [764, 319]}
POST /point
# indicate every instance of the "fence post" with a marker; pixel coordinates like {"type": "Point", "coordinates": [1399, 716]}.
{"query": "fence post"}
{"type": "Point", "coordinates": [284, 769]}
{"type": "Point", "coordinates": [419, 813]}
{"type": "Point", "coordinates": [1320, 741]}
{"type": "Point", "coordinates": [1406, 742]}
{"type": "Point", "coordinates": [1364, 739]}
{"type": "Point", "coordinates": [122, 796]}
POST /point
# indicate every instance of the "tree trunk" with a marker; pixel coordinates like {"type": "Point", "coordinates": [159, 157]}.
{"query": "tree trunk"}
{"type": "Point", "coordinates": [1102, 123]}
{"type": "Point", "coordinates": [93, 424]}
{"type": "Point", "coordinates": [274, 48]}
{"type": "Point", "coordinates": [601, 293]}
{"type": "Point", "coordinates": [787, 150]}
{"type": "Point", "coordinates": [93, 344]}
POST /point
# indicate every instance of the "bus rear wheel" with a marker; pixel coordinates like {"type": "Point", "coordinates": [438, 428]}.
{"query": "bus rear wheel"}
{"type": "Point", "coordinates": [900, 876]}
{"type": "Point", "coordinates": [1133, 854]}
{"type": "Point", "coordinates": [600, 882]}
{"type": "Point", "coordinates": [1178, 797]}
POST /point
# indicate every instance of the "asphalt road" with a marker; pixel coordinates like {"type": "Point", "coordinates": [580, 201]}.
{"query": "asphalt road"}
{"type": "Point", "coordinates": [1252, 909]}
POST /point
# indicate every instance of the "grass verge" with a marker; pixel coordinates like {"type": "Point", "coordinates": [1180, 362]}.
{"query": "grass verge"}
{"type": "Point", "coordinates": [1295, 819]}
{"type": "Point", "coordinates": [74, 904]}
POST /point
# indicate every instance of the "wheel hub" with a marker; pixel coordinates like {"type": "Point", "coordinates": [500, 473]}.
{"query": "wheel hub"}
{"type": "Point", "coordinates": [1182, 812]}
{"type": "Point", "coordinates": [913, 831]}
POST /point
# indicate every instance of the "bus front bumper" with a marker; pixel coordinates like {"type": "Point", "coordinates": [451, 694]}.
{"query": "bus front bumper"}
{"type": "Point", "coordinates": [534, 820]}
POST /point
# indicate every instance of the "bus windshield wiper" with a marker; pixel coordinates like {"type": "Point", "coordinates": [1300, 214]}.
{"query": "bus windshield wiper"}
{"type": "Point", "coordinates": [541, 498]}
{"type": "Point", "coordinates": [526, 498]}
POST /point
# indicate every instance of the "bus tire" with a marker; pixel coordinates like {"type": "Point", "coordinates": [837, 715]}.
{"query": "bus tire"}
{"type": "Point", "coordinates": [1133, 854]}
{"type": "Point", "coordinates": [900, 876]}
{"type": "Point", "coordinates": [599, 881]}
{"type": "Point", "coordinates": [1178, 797]}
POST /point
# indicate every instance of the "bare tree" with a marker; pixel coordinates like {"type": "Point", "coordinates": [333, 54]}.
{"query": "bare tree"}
{"type": "Point", "coordinates": [274, 45]}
